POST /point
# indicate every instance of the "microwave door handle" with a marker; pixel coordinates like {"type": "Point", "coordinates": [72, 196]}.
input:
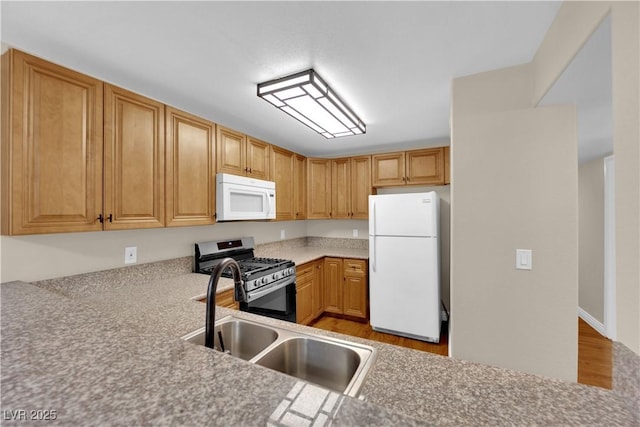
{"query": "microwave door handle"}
{"type": "Point", "coordinates": [269, 201]}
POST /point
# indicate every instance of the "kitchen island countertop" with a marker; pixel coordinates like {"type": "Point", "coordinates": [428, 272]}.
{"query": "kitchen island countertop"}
{"type": "Point", "coordinates": [114, 356]}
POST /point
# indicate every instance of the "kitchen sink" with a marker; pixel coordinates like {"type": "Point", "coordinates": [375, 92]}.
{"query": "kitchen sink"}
{"type": "Point", "coordinates": [331, 363]}
{"type": "Point", "coordinates": [240, 338]}
{"type": "Point", "coordinates": [327, 364]}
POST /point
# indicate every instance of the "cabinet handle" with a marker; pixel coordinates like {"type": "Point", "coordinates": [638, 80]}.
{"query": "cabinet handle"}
{"type": "Point", "coordinates": [408, 179]}
{"type": "Point", "coordinates": [246, 169]}
{"type": "Point", "coordinates": [250, 170]}
{"type": "Point", "coordinates": [101, 218]}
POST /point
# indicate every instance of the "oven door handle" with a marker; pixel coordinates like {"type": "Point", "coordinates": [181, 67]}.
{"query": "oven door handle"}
{"type": "Point", "coordinates": [266, 290]}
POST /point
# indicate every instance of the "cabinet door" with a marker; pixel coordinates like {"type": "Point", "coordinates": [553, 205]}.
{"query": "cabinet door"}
{"type": "Point", "coordinates": [230, 151]}
{"type": "Point", "coordinates": [318, 188]}
{"type": "Point", "coordinates": [317, 288]}
{"type": "Point", "coordinates": [388, 169]}
{"type": "Point", "coordinates": [304, 293]}
{"type": "Point", "coordinates": [447, 180]}
{"type": "Point", "coordinates": [225, 299]}
{"type": "Point", "coordinates": [133, 160]}
{"type": "Point", "coordinates": [190, 170]}
{"type": "Point", "coordinates": [257, 158]}
{"type": "Point", "coordinates": [340, 188]}
{"type": "Point", "coordinates": [333, 279]}
{"type": "Point", "coordinates": [51, 147]}
{"type": "Point", "coordinates": [360, 186]}
{"type": "Point", "coordinates": [300, 186]}
{"type": "Point", "coordinates": [282, 167]}
{"type": "Point", "coordinates": [425, 167]}
{"type": "Point", "coordinates": [355, 288]}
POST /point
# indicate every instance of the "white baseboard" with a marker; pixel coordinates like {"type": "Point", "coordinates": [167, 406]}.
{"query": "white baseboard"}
{"type": "Point", "coordinates": [592, 321]}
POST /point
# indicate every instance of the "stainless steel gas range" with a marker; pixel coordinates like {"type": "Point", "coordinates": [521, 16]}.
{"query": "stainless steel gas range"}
{"type": "Point", "coordinates": [269, 283]}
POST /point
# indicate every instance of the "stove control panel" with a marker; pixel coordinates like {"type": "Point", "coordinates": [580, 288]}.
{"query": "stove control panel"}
{"type": "Point", "coordinates": [269, 278]}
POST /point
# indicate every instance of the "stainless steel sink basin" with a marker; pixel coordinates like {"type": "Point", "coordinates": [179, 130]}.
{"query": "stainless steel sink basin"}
{"type": "Point", "coordinates": [328, 364]}
{"type": "Point", "coordinates": [241, 338]}
{"type": "Point", "coordinates": [335, 364]}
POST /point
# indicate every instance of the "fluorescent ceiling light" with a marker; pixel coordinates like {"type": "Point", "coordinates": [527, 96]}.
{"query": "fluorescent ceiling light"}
{"type": "Point", "coordinates": [308, 99]}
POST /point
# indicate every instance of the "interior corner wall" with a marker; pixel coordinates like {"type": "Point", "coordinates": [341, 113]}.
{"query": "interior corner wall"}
{"type": "Point", "coordinates": [573, 25]}
{"type": "Point", "coordinates": [514, 175]}
{"type": "Point", "coordinates": [591, 238]}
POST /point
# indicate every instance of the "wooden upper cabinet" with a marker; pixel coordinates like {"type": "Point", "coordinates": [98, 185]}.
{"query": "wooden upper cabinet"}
{"type": "Point", "coordinates": [190, 169]}
{"type": "Point", "coordinates": [416, 167]}
{"type": "Point", "coordinates": [360, 186]}
{"type": "Point", "coordinates": [230, 151]}
{"type": "Point", "coordinates": [425, 167]}
{"type": "Point", "coordinates": [388, 169]}
{"type": "Point", "coordinates": [134, 152]}
{"type": "Point", "coordinates": [318, 188]}
{"type": "Point", "coordinates": [51, 147]}
{"type": "Point", "coordinates": [341, 188]}
{"type": "Point", "coordinates": [300, 186]}
{"type": "Point", "coordinates": [257, 159]}
{"type": "Point", "coordinates": [447, 179]}
{"type": "Point", "coordinates": [282, 162]}
{"type": "Point", "coordinates": [238, 154]}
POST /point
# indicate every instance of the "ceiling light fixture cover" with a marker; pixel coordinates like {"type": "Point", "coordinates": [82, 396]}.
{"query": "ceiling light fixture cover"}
{"type": "Point", "coordinates": [307, 98]}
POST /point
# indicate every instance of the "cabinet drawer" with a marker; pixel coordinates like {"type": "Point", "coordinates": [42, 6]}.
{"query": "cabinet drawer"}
{"type": "Point", "coordinates": [352, 266]}
{"type": "Point", "coordinates": [303, 271]}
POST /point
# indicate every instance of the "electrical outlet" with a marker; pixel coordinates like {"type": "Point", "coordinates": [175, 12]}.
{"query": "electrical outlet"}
{"type": "Point", "coordinates": [131, 255]}
{"type": "Point", "coordinates": [355, 232]}
{"type": "Point", "coordinates": [282, 234]}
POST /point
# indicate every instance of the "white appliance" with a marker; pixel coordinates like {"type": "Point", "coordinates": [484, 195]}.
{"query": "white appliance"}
{"type": "Point", "coordinates": [404, 265]}
{"type": "Point", "coordinates": [242, 198]}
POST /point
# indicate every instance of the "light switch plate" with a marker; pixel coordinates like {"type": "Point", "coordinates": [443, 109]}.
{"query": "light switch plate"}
{"type": "Point", "coordinates": [355, 232]}
{"type": "Point", "coordinates": [282, 234]}
{"type": "Point", "coordinates": [524, 259]}
{"type": "Point", "coordinates": [131, 255]}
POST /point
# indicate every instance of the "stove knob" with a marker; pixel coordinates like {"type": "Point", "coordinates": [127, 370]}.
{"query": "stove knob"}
{"type": "Point", "coordinates": [292, 271]}
{"type": "Point", "coordinates": [264, 280]}
{"type": "Point", "coordinates": [274, 276]}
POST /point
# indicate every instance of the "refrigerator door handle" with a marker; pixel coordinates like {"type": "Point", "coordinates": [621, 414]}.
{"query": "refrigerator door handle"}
{"type": "Point", "coordinates": [373, 215]}
{"type": "Point", "coordinates": [373, 264]}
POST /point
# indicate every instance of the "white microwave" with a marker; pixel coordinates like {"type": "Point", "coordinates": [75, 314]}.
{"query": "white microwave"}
{"type": "Point", "coordinates": [242, 198]}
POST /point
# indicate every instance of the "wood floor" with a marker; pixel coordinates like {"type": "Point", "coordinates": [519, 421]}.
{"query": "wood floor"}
{"type": "Point", "coordinates": [595, 357]}
{"type": "Point", "coordinates": [594, 350]}
{"type": "Point", "coordinates": [363, 330]}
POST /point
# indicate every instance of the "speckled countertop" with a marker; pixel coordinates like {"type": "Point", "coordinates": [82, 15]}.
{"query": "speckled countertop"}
{"type": "Point", "coordinates": [111, 354]}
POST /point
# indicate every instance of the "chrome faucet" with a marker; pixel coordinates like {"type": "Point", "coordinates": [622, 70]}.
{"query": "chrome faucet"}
{"type": "Point", "coordinates": [239, 295]}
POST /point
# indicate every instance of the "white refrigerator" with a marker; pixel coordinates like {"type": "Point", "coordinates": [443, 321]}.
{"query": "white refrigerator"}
{"type": "Point", "coordinates": [404, 265]}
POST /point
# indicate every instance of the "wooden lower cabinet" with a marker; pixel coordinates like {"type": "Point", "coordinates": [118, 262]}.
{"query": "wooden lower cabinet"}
{"type": "Point", "coordinates": [317, 302]}
{"type": "Point", "coordinates": [345, 286]}
{"type": "Point", "coordinates": [354, 293]}
{"type": "Point", "coordinates": [224, 299]}
{"type": "Point", "coordinates": [307, 295]}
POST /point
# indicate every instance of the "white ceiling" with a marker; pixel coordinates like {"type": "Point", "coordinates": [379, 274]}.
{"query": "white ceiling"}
{"type": "Point", "coordinates": [392, 62]}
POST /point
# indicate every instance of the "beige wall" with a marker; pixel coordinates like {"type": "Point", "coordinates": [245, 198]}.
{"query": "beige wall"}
{"type": "Point", "coordinates": [67, 254]}
{"type": "Point", "coordinates": [573, 25]}
{"type": "Point", "coordinates": [591, 238]}
{"type": "Point", "coordinates": [514, 187]}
